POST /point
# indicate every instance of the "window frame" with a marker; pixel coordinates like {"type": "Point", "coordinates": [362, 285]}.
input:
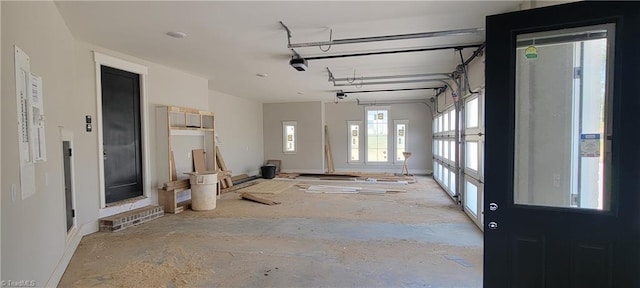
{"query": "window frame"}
{"type": "Point", "coordinates": [360, 142]}
{"type": "Point", "coordinates": [366, 133]}
{"type": "Point", "coordinates": [286, 124]}
{"type": "Point", "coordinates": [395, 140]}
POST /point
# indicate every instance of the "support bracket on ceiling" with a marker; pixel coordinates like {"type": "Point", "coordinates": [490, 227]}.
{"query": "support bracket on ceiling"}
{"type": "Point", "coordinates": [288, 35]}
{"type": "Point", "coordinates": [331, 78]}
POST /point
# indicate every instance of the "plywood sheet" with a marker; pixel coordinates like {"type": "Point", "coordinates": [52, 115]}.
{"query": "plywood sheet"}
{"type": "Point", "coordinates": [172, 164]}
{"type": "Point", "coordinates": [268, 187]}
{"type": "Point", "coordinates": [199, 161]}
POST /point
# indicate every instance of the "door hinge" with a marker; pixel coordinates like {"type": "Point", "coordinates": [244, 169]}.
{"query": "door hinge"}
{"type": "Point", "coordinates": [70, 152]}
{"type": "Point", "coordinates": [73, 212]}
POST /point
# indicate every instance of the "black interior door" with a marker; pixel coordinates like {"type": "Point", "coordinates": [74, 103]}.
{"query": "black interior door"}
{"type": "Point", "coordinates": [121, 134]}
{"type": "Point", "coordinates": [562, 182]}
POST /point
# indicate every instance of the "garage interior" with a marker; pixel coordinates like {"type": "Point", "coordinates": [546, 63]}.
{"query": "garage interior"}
{"type": "Point", "coordinates": [372, 111]}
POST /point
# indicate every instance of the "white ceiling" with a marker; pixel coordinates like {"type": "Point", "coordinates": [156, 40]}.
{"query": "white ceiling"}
{"type": "Point", "coordinates": [230, 42]}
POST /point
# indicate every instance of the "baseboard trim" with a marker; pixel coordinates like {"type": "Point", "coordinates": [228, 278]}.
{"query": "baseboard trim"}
{"type": "Point", "coordinates": [73, 240]}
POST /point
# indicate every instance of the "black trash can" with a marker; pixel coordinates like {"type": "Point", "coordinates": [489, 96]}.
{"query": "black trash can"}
{"type": "Point", "coordinates": [268, 171]}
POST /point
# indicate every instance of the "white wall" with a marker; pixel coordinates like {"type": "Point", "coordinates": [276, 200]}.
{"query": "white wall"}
{"type": "Point", "coordinates": [419, 136]}
{"type": "Point", "coordinates": [34, 242]}
{"type": "Point", "coordinates": [34, 229]}
{"type": "Point", "coordinates": [239, 128]}
{"type": "Point", "coordinates": [308, 115]}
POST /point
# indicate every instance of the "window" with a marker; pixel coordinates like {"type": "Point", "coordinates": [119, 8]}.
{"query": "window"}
{"type": "Point", "coordinates": [289, 129]}
{"type": "Point", "coordinates": [402, 127]}
{"type": "Point", "coordinates": [452, 117]}
{"type": "Point", "coordinates": [354, 141]}
{"type": "Point", "coordinates": [561, 146]}
{"type": "Point", "coordinates": [472, 155]}
{"type": "Point", "coordinates": [377, 134]}
{"type": "Point", "coordinates": [452, 181]}
{"type": "Point", "coordinates": [452, 151]}
{"type": "Point", "coordinates": [435, 148]}
{"type": "Point", "coordinates": [471, 199]}
{"type": "Point", "coordinates": [445, 177]}
{"type": "Point", "coordinates": [445, 119]}
{"type": "Point", "coordinates": [445, 154]}
{"type": "Point", "coordinates": [472, 113]}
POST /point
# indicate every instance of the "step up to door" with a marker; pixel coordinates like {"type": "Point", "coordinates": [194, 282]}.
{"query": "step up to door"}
{"type": "Point", "coordinates": [130, 218]}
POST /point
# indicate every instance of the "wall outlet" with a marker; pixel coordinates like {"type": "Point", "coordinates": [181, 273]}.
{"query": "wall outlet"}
{"type": "Point", "coordinates": [556, 180]}
{"type": "Point", "coordinates": [14, 193]}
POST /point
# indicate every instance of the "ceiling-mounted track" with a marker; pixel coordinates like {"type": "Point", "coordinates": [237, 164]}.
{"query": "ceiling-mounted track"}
{"type": "Point", "coordinates": [441, 75]}
{"type": "Point", "coordinates": [360, 83]}
{"type": "Point", "coordinates": [391, 90]}
{"type": "Point", "coordinates": [455, 47]}
{"type": "Point", "coordinates": [455, 32]}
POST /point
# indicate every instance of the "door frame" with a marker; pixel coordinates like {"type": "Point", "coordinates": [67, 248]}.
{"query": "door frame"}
{"type": "Point", "coordinates": [110, 61]}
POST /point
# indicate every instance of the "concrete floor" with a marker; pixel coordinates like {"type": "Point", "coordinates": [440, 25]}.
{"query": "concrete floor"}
{"type": "Point", "coordinates": [413, 239]}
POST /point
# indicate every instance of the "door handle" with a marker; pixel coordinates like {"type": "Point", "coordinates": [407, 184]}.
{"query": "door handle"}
{"type": "Point", "coordinates": [104, 154]}
{"type": "Point", "coordinates": [493, 225]}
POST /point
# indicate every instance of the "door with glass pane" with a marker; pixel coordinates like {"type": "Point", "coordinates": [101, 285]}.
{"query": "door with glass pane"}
{"type": "Point", "coordinates": [562, 195]}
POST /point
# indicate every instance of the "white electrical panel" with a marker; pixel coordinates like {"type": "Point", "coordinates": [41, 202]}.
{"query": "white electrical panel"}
{"type": "Point", "coordinates": [31, 125]}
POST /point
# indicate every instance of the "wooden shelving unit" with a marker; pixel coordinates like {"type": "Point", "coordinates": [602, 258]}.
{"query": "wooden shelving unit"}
{"type": "Point", "coordinates": [181, 130]}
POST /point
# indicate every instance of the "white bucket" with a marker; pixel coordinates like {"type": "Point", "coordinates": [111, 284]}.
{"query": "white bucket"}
{"type": "Point", "coordinates": [203, 191]}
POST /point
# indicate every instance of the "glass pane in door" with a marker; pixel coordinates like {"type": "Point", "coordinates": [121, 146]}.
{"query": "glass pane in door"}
{"type": "Point", "coordinates": [562, 97]}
